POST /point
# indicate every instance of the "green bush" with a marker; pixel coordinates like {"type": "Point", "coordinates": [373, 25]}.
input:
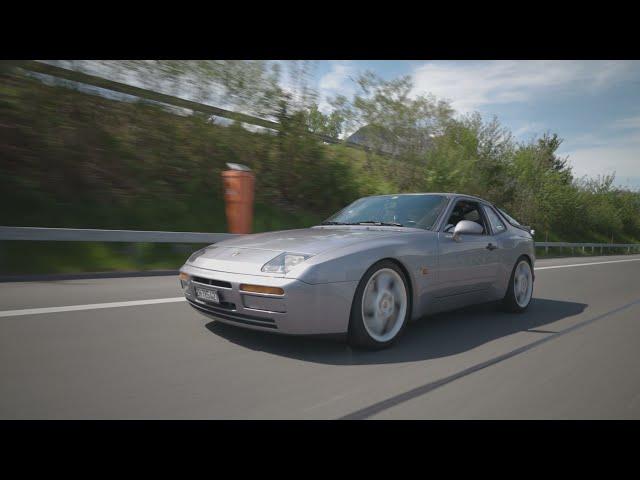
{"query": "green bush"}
{"type": "Point", "coordinates": [69, 159]}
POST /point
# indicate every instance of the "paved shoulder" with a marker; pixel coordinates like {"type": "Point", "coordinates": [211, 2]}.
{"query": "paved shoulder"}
{"type": "Point", "coordinates": [58, 293]}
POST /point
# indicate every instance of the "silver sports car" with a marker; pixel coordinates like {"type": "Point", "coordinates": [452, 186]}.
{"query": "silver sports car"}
{"type": "Point", "coordinates": [368, 270]}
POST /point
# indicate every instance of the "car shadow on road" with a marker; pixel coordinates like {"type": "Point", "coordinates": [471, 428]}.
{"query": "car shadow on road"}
{"type": "Point", "coordinates": [435, 336]}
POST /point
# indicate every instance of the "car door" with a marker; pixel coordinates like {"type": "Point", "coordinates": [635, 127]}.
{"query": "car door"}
{"type": "Point", "coordinates": [503, 253]}
{"type": "Point", "coordinates": [468, 265]}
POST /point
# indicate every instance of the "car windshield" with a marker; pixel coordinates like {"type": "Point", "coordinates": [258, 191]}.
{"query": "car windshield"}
{"type": "Point", "coordinates": [416, 211]}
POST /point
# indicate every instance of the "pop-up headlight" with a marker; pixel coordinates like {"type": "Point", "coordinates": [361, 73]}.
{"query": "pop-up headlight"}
{"type": "Point", "coordinates": [284, 262]}
{"type": "Point", "coordinates": [198, 253]}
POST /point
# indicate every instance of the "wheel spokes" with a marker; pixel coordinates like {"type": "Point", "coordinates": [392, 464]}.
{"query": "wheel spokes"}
{"type": "Point", "coordinates": [391, 319]}
{"type": "Point", "coordinates": [523, 284]}
{"type": "Point", "coordinates": [369, 303]}
{"type": "Point", "coordinates": [377, 324]}
{"type": "Point", "coordinates": [383, 281]}
{"type": "Point", "coordinates": [384, 304]}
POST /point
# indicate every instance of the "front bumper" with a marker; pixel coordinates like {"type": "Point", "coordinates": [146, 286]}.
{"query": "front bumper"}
{"type": "Point", "coordinates": [304, 309]}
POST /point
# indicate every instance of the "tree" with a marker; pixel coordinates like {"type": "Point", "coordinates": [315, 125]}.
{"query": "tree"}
{"type": "Point", "coordinates": [329, 125]}
{"type": "Point", "coordinates": [411, 120]}
{"type": "Point", "coordinates": [547, 147]}
{"type": "Point", "coordinates": [246, 86]}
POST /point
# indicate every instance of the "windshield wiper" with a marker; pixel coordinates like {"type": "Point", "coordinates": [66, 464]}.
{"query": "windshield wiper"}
{"type": "Point", "coordinates": [382, 224]}
{"type": "Point", "coordinates": [335, 223]}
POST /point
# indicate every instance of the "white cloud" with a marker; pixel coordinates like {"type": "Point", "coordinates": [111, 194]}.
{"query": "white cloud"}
{"type": "Point", "coordinates": [599, 154]}
{"type": "Point", "coordinates": [629, 123]}
{"type": "Point", "coordinates": [296, 79]}
{"type": "Point", "coordinates": [338, 78]}
{"type": "Point", "coordinates": [529, 129]}
{"type": "Point", "coordinates": [470, 85]}
{"type": "Point", "coordinates": [337, 81]}
{"type": "Point", "coordinates": [624, 161]}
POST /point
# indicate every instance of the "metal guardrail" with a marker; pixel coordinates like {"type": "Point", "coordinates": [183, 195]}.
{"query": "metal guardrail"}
{"type": "Point", "coordinates": [91, 235]}
{"type": "Point", "coordinates": [583, 246]}
{"type": "Point", "coordinates": [146, 236]}
{"type": "Point", "coordinates": [143, 93]}
{"type": "Point", "coordinates": [568, 244]}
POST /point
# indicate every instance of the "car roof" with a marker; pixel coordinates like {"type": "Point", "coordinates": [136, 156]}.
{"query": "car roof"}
{"type": "Point", "coordinates": [444, 194]}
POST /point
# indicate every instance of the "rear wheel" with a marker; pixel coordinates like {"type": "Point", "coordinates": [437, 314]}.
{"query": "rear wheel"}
{"type": "Point", "coordinates": [381, 307]}
{"type": "Point", "coordinates": [520, 288]}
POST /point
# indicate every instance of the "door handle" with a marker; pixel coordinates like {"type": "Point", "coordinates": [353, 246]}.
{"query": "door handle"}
{"type": "Point", "coordinates": [491, 246]}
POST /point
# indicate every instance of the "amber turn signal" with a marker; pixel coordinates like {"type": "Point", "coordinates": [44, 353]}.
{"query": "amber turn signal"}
{"type": "Point", "coordinates": [183, 276]}
{"type": "Point", "coordinates": [261, 289]}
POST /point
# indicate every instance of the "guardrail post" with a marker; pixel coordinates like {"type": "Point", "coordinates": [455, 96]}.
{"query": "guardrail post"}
{"type": "Point", "coordinates": [546, 250]}
{"type": "Point", "coordinates": [600, 249]}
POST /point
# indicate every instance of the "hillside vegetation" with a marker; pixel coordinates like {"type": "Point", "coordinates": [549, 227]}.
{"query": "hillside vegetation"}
{"type": "Point", "coordinates": [69, 159]}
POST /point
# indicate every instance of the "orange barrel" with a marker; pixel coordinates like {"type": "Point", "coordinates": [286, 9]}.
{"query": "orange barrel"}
{"type": "Point", "coordinates": [238, 198]}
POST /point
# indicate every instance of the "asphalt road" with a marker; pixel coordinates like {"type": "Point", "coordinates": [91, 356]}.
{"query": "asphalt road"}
{"type": "Point", "coordinates": [574, 354]}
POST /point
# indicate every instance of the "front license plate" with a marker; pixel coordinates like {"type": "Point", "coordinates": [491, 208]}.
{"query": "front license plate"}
{"type": "Point", "coordinates": [207, 295]}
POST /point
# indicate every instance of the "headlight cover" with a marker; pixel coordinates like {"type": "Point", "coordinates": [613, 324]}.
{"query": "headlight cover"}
{"type": "Point", "coordinates": [284, 262]}
{"type": "Point", "coordinates": [198, 253]}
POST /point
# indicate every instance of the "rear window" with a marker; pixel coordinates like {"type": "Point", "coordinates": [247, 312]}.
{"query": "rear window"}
{"type": "Point", "coordinates": [497, 224]}
{"type": "Point", "coordinates": [510, 219]}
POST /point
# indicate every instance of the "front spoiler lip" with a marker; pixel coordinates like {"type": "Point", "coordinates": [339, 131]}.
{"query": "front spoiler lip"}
{"type": "Point", "coordinates": [233, 317]}
{"type": "Point", "coordinates": [308, 310]}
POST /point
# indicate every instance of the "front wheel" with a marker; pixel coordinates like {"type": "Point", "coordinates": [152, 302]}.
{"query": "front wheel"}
{"type": "Point", "coordinates": [381, 307]}
{"type": "Point", "coordinates": [520, 288]}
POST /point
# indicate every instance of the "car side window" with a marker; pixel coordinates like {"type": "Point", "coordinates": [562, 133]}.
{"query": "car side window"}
{"type": "Point", "coordinates": [465, 210]}
{"type": "Point", "coordinates": [496, 224]}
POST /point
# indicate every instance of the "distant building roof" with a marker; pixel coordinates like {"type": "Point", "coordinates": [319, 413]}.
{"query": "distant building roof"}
{"type": "Point", "coordinates": [376, 138]}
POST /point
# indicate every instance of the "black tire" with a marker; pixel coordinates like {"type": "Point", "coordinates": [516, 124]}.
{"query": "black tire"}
{"type": "Point", "coordinates": [358, 336]}
{"type": "Point", "coordinates": [509, 302]}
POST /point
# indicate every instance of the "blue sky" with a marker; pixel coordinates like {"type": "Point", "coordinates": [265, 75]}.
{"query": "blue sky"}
{"type": "Point", "coordinates": [593, 105]}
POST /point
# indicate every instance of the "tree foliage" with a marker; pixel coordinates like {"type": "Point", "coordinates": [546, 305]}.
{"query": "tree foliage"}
{"type": "Point", "coordinates": [81, 160]}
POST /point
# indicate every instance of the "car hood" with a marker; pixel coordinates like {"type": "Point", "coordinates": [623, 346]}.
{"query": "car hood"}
{"type": "Point", "coordinates": [248, 253]}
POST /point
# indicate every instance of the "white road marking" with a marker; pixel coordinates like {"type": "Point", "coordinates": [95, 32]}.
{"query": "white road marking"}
{"type": "Point", "coordinates": [135, 303]}
{"type": "Point", "coordinates": [585, 264]}
{"type": "Point", "coordinates": [92, 306]}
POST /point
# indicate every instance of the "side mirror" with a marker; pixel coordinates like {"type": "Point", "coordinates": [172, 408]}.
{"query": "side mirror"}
{"type": "Point", "coordinates": [466, 227]}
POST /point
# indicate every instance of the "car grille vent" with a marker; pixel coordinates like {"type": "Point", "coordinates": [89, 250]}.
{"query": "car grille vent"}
{"type": "Point", "coordinates": [213, 283]}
